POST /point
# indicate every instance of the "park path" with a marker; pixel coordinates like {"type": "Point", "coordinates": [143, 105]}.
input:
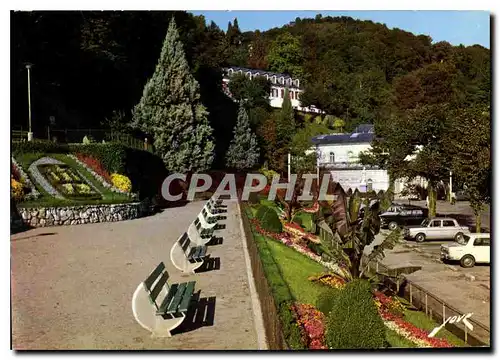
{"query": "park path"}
{"type": "Point", "coordinates": [71, 286]}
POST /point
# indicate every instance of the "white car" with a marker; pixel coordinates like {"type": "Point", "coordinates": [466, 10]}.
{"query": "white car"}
{"type": "Point", "coordinates": [473, 248]}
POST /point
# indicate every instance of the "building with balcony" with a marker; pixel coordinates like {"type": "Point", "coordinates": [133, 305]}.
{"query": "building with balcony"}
{"type": "Point", "coordinates": [278, 84]}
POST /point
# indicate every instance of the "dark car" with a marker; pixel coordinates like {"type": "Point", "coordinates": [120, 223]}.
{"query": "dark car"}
{"type": "Point", "coordinates": [400, 215]}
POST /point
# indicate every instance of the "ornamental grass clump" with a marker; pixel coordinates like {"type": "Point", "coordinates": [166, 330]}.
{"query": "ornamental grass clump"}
{"type": "Point", "coordinates": [121, 182]}
{"type": "Point", "coordinates": [354, 322]}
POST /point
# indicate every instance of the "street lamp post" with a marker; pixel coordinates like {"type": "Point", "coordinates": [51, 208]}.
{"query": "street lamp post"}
{"type": "Point", "coordinates": [30, 133]}
{"type": "Point", "coordinates": [451, 189]}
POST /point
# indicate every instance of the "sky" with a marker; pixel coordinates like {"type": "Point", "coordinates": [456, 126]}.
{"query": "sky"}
{"type": "Point", "coordinates": [456, 27]}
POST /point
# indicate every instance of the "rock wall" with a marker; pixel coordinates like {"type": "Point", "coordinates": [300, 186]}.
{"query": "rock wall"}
{"type": "Point", "coordinates": [72, 215]}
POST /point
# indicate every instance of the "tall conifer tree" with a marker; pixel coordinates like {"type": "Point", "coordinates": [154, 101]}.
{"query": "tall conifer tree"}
{"type": "Point", "coordinates": [171, 111]}
{"type": "Point", "coordinates": [243, 152]}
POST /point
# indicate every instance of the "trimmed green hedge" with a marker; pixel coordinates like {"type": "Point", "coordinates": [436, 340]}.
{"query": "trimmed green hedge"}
{"type": "Point", "coordinates": [354, 322]}
{"type": "Point", "coordinates": [112, 156]}
{"type": "Point", "coordinates": [38, 146]}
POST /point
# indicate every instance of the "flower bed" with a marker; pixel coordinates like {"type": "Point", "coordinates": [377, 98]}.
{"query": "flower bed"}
{"type": "Point", "coordinates": [296, 230]}
{"type": "Point", "coordinates": [332, 280]}
{"type": "Point", "coordinates": [313, 209]}
{"type": "Point", "coordinates": [312, 325]}
{"type": "Point", "coordinates": [391, 312]}
{"type": "Point", "coordinates": [95, 165]}
{"type": "Point", "coordinates": [67, 182]}
{"type": "Point", "coordinates": [29, 190]}
{"type": "Point", "coordinates": [287, 239]}
{"type": "Point", "coordinates": [106, 183]}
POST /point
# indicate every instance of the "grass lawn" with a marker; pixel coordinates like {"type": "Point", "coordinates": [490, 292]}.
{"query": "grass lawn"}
{"type": "Point", "coordinates": [47, 200]}
{"type": "Point", "coordinates": [397, 341]}
{"type": "Point", "coordinates": [295, 268]}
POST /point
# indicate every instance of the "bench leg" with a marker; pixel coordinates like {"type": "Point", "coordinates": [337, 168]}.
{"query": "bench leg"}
{"type": "Point", "coordinates": [179, 260]}
{"type": "Point", "coordinates": [145, 314]}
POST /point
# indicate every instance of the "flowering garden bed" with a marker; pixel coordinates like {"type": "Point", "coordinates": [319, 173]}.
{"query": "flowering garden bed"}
{"type": "Point", "coordinates": [67, 182]}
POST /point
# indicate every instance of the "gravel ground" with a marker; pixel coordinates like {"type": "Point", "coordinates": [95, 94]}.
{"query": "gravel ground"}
{"type": "Point", "coordinates": [72, 285]}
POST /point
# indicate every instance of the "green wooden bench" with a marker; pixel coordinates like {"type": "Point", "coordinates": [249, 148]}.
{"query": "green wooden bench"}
{"type": "Point", "coordinates": [186, 255]}
{"type": "Point", "coordinates": [159, 306]}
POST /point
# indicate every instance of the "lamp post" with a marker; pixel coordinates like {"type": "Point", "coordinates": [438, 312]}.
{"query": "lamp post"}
{"type": "Point", "coordinates": [30, 133]}
{"type": "Point", "coordinates": [451, 189]}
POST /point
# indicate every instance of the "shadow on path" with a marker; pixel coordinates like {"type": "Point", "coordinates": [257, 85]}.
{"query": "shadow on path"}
{"type": "Point", "coordinates": [201, 313]}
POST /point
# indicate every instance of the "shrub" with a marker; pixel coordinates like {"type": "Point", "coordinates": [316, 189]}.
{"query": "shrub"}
{"type": "Point", "coordinates": [326, 299]}
{"type": "Point", "coordinates": [16, 189]}
{"type": "Point", "coordinates": [269, 219]}
{"type": "Point", "coordinates": [354, 322]}
{"type": "Point", "coordinates": [121, 182]}
{"type": "Point", "coordinates": [112, 156]}
{"type": "Point", "coordinates": [315, 248]}
{"type": "Point", "coordinates": [268, 173]}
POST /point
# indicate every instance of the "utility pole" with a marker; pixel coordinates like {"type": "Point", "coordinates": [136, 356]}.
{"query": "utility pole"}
{"type": "Point", "coordinates": [451, 189]}
{"type": "Point", "coordinates": [289, 166]}
{"type": "Point", "coordinates": [30, 133]}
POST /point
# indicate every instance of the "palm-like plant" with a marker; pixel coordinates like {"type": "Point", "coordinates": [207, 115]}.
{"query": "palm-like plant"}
{"type": "Point", "coordinates": [354, 231]}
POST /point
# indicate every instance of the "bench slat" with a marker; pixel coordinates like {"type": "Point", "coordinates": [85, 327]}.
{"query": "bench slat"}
{"type": "Point", "coordinates": [159, 285]}
{"type": "Point", "coordinates": [186, 297]}
{"type": "Point", "coordinates": [167, 300]}
{"type": "Point", "coordinates": [154, 275]}
{"type": "Point", "coordinates": [196, 254]}
{"type": "Point", "coordinates": [177, 299]}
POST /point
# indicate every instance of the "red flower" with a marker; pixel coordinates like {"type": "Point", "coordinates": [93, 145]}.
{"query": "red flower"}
{"type": "Point", "coordinates": [312, 324]}
{"type": "Point", "coordinates": [95, 165]}
{"type": "Point", "coordinates": [14, 172]}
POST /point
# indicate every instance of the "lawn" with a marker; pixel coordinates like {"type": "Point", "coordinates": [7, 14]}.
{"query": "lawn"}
{"type": "Point", "coordinates": [46, 200]}
{"type": "Point", "coordinates": [288, 271]}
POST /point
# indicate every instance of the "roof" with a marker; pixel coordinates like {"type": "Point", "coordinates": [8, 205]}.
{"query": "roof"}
{"type": "Point", "coordinates": [343, 138]}
{"type": "Point", "coordinates": [362, 134]}
{"type": "Point", "coordinates": [257, 71]}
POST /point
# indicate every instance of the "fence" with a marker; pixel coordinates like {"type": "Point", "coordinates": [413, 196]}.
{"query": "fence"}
{"type": "Point", "coordinates": [434, 307]}
{"type": "Point", "coordinates": [77, 135]}
{"type": "Point", "coordinates": [272, 323]}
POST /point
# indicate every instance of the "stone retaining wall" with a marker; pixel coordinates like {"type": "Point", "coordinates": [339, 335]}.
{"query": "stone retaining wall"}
{"type": "Point", "coordinates": [72, 215]}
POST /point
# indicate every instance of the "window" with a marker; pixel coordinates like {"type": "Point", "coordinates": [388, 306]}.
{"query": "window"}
{"type": "Point", "coordinates": [297, 95]}
{"type": "Point", "coordinates": [417, 213]}
{"type": "Point", "coordinates": [482, 242]}
{"type": "Point", "coordinates": [282, 93]}
{"type": "Point", "coordinates": [448, 223]}
{"type": "Point", "coordinates": [332, 157]}
{"type": "Point", "coordinates": [291, 95]}
{"type": "Point", "coordinates": [369, 185]}
{"type": "Point", "coordinates": [436, 223]}
{"type": "Point", "coordinates": [297, 83]}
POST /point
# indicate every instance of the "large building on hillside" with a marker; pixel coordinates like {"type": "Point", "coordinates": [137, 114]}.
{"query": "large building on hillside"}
{"type": "Point", "coordinates": [278, 84]}
{"type": "Point", "coordinates": [339, 153]}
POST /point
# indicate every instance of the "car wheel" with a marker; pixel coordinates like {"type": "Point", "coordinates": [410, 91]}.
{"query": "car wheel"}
{"type": "Point", "coordinates": [393, 225]}
{"type": "Point", "coordinates": [459, 237]}
{"type": "Point", "coordinates": [420, 237]}
{"type": "Point", "coordinates": [467, 261]}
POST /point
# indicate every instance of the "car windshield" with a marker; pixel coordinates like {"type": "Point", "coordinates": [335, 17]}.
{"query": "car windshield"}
{"type": "Point", "coordinates": [425, 222]}
{"type": "Point", "coordinates": [463, 240]}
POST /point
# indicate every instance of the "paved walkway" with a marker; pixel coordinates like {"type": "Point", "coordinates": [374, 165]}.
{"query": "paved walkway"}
{"type": "Point", "coordinates": [72, 285]}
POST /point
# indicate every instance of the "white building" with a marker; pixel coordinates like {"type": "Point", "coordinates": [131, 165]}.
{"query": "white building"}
{"type": "Point", "coordinates": [278, 84]}
{"type": "Point", "coordinates": [339, 153]}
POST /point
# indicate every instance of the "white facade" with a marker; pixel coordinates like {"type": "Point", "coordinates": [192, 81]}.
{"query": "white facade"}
{"type": "Point", "coordinates": [339, 153]}
{"type": "Point", "coordinates": [278, 84]}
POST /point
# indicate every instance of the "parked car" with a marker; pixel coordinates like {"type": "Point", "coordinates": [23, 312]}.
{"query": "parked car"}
{"type": "Point", "coordinates": [401, 215]}
{"type": "Point", "coordinates": [474, 248]}
{"type": "Point", "coordinates": [436, 229]}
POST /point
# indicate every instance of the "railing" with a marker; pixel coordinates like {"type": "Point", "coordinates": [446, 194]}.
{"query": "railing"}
{"type": "Point", "coordinates": [434, 307]}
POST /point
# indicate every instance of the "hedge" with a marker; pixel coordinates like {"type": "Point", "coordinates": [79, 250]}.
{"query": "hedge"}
{"type": "Point", "coordinates": [269, 220]}
{"type": "Point", "coordinates": [354, 322]}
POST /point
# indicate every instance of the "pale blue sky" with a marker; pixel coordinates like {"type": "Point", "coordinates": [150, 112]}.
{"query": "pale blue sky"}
{"type": "Point", "coordinates": [456, 27]}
